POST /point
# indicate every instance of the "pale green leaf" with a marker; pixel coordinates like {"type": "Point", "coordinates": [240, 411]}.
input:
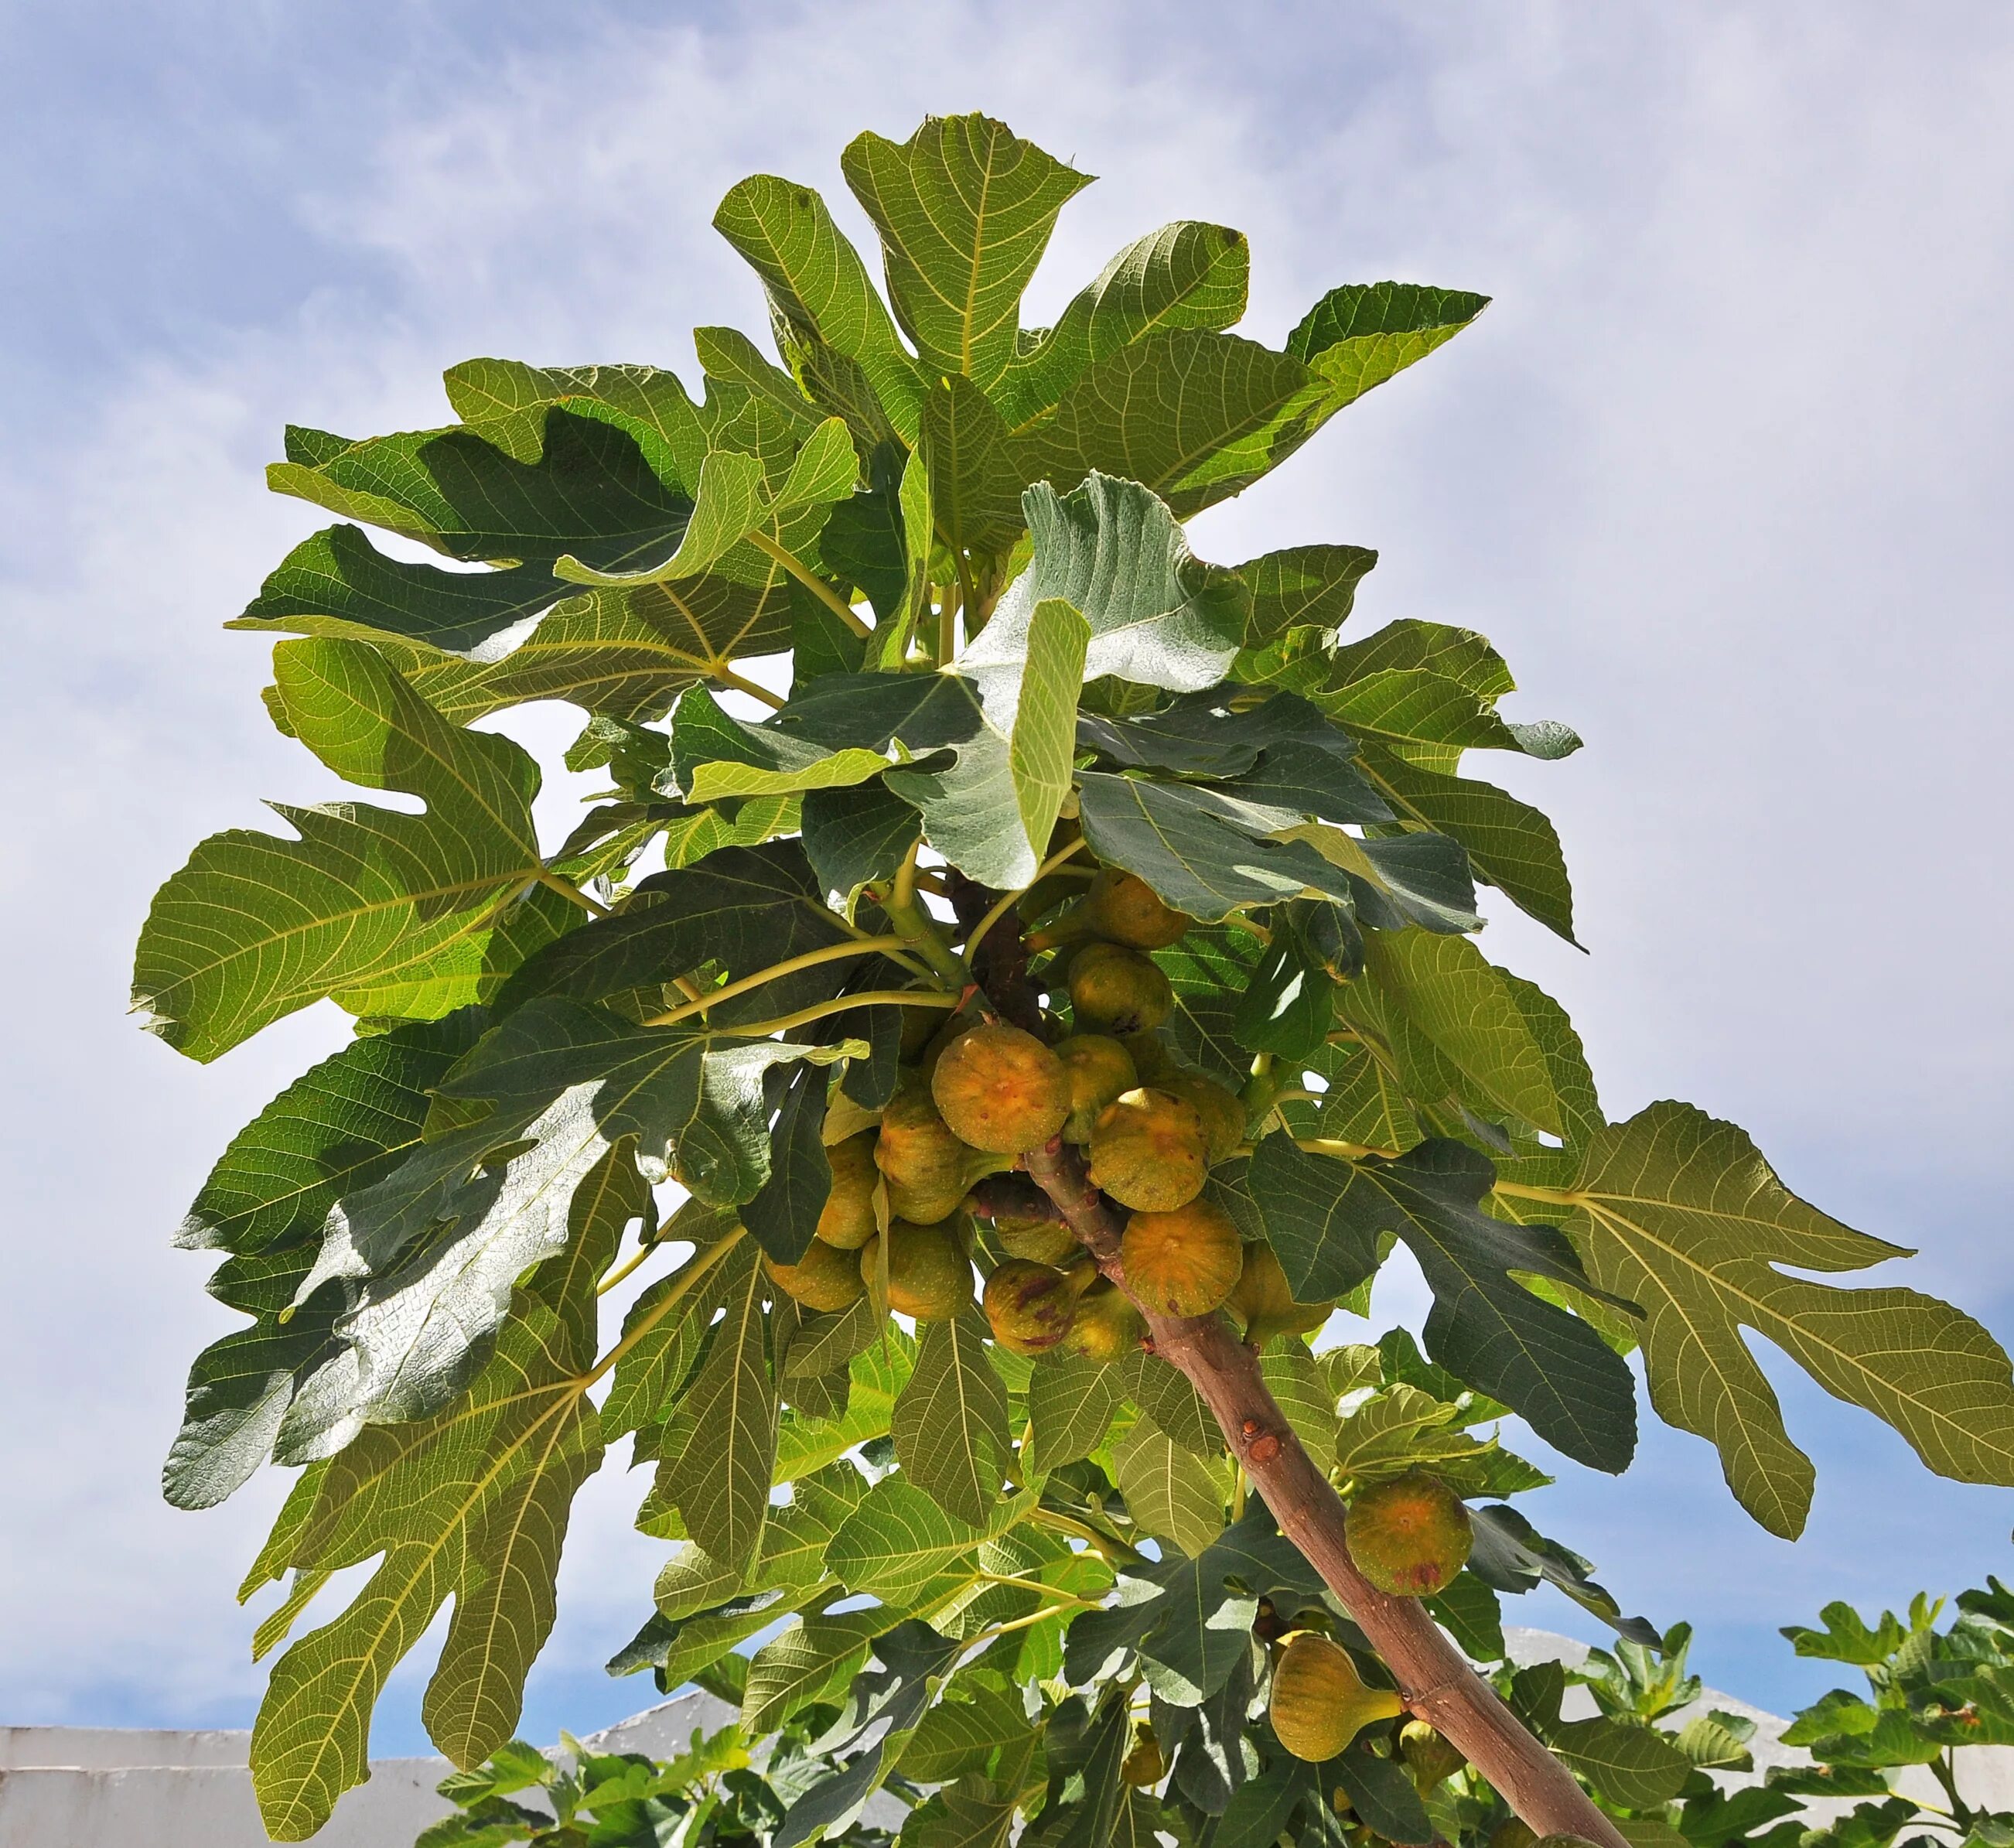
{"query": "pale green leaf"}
{"type": "Point", "coordinates": [1170, 1492]}
{"type": "Point", "coordinates": [898, 1542]}
{"type": "Point", "coordinates": [1070, 1405]}
{"type": "Point", "coordinates": [950, 1423]}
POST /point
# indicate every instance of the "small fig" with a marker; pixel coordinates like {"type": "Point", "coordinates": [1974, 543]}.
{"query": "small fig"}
{"type": "Point", "coordinates": [1000, 1089]}
{"type": "Point", "coordinates": [1319, 1703]}
{"type": "Point", "coordinates": [1041, 1241]}
{"type": "Point", "coordinates": [1123, 908]}
{"type": "Point", "coordinates": [1409, 1536]}
{"type": "Point", "coordinates": [1513, 1832]}
{"type": "Point", "coordinates": [1113, 989]}
{"type": "Point", "coordinates": [1100, 1070]}
{"type": "Point", "coordinates": [1031, 1306]}
{"type": "Point", "coordinates": [922, 1159]}
{"type": "Point", "coordinates": [825, 1278]}
{"type": "Point", "coordinates": [847, 1218]}
{"type": "Point", "coordinates": [1184, 1262]}
{"type": "Point", "coordinates": [930, 1276]}
{"type": "Point", "coordinates": [1428, 1756]}
{"type": "Point", "coordinates": [1153, 1058]}
{"type": "Point", "coordinates": [1143, 1768]}
{"type": "Point", "coordinates": [1106, 1328]}
{"type": "Point", "coordinates": [1148, 1151]}
{"type": "Point", "coordinates": [1222, 1109]}
{"type": "Point", "coordinates": [1265, 1305]}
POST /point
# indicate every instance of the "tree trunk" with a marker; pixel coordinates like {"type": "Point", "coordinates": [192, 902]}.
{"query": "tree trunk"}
{"type": "Point", "coordinates": [1435, 1679]}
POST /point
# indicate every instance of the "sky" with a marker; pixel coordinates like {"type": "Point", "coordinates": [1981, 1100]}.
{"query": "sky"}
{"type": "Point", "coordinates": [1723, 471]}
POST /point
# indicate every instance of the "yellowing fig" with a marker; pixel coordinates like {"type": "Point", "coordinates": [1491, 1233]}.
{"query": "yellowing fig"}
{"type": "Point", "coordinates": [1149, 1152]}
{"type": "Point", "coordinates": [825, 1278]}
{"type": "Point", "coordinates": [1113, 989]}
{"type": "Point", "coordinates": [1031, 1306]}
{"type": "Point", "coordinates": [1319, 1703]}
{"type": "Point", "coordinates": [1000, 1089]}
{"type": "Point", "coordinates": [1181, 1263]}
{"type": "Point", "coordinates": [1512, 1832]}
{"type": "Point", "coordinates": [1222, 1109]}
{"type": "Point", "coordinates": [847, 1218]}
{"type": "Point", "coordinates": [1100, 1070]}
{"type": "Point", "coordinates": [1428, 1756]}
{"type": "Point", "coordinates": [1123, 908]}
{"type": "Point", "coordinates": [1143, 1768]}
{"type": "Point", "coordinates": [1041, 1241]}
{"type": "Point", "coordinates": [1409, 1536]}
{"type": "Point", "coordinates": [922, 1159]}
{"type": "Point", "coordinates": [1106, 1328]}
{"type": "Point", "coordinates": [1264, 1304]}
{"type": "Point", "coordinates": [930, 1277]}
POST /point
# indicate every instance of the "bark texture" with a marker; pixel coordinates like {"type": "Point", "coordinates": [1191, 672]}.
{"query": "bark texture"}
{"type": "Point", "coordinates": [1434, 1678]}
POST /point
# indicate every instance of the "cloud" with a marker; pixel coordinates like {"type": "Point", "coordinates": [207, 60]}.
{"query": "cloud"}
{"type": "Point", "coordinates": [1722, 471]}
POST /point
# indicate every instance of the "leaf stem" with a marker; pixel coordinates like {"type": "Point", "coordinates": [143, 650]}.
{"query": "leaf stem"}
{"type": "Point", "coordinates": [1029, 1584]}
{"type": "Point", "coordinates": [1567, 1196]}
{"type": "Point", "coordinates": [1112, 1551]}
{"type": "Point", "coordinates": [873, 997]}
{"type": "Point", "coordinates": [977, 935]}
{"type": "Point", "coordinates": [811, 581]}
{"type": "Point", "coordinates": [832, 952]}
{"type": "Point", "coordinates": [559, 882]}
{"type": "Point", "coordinates": [683, 1279]}
{"type": "Point", "coordinates": [918, 929]}
{"type": "Point", "coordinates": [1342, 1151]}
{"type": "Point", "coordinates": [628, 1267]}
{"type": "Point", "coordinates": [728, 677]}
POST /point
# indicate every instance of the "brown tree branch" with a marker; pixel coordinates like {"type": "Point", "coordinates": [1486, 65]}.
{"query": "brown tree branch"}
{"type": "Point", "coordinates": [1434, 1680]}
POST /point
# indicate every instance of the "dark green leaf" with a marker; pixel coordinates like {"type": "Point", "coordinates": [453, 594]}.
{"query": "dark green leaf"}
{"type": "Point", "coordinates": [1510, 1554]}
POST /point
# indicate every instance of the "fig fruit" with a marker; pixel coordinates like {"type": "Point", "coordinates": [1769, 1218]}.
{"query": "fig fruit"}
{"type": "Point", "coordinates": [1106, 1327]}
{"type": "Point", "coordinates": [1319, 1703]}
{"type": "Point", "coordinates": [1041, 1241]}
{"type": "Point", "coordinates": [825, 1278]}
{"type": "Point", "coordinates": [1031, 1306]}
{"type": "Point", "coordinates": [1428, 1756]}
{"type": "Point", "coordinates": [921, 1158]}
{"type": "Point", "coordinates": [1143, 1768]}
{"type": "Point", "coordinates": [1184, 1262]}
{"type": "Point", "coordinates": [1265, 1305]}
{"type": "Point", "coordinates": [1113, 989]}
{"type": "Point", "coordinates": [1123, 908]}
{"type": "Point", "coordinates": [1000, 1089]}
{"type": "Point", "coordinates": [1148, 1151]}
{"type": "Point", "coordinates": [1222, 1109]}
{"type": "Point", "coordinates": [1100, 1070]}
{"type": "Point", "coordinates": [930, 1277]}
{"type": "Point", "coordinates": [847, 1218]}
{"type": "Point", "coordinates": [1513, 1832]}
{"type": "Point", "coordinates": [1409, 1536]}
{"type": "Point", "coordinates": [1152, 1059]}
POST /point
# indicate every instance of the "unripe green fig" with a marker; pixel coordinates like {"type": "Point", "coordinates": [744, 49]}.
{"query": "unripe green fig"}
{"type": "Point", "coordinates": [922, 1161]}
{"type": "Point", "coordinates": [1113, 989]}
{"type": "Point", "coordinates": [1319, 1703]}
{"type": "Point", "coordinates": [847, 1218]}
{"type": "Point", "coordinates": [825, 1279]}
{"type": "Point", "coordinates": [1031, 1306]}
{"type": "Point", "coordinates": [1153, 1058]}
{"type": "Point", "coordinates": [1222, 1109]}
{"type": "Point", "coordinates": [1428, 1756]}
{"type": "Point", "coordinates": [1106, 1327]}
{"type": "Point", "coordinates": [1123, 908]}
{"type": "Point", "coordinates": [1181, 1263]}
{"type": "Point", "coordinates": [1000, 1089]}
{"type": "Point", "coordinates": [1265, 1306]}
{"type": "Point", "coordinates": [1409, 1536]}
{"type": "Point", "coordinates": [1100, 1070]}
{"type": "Point", "coordinates": [1041, 1241]}
{"type": "Point", "coordinates": [930, 1276]}
{"type": "Point", "coordinates": [1148, 1151]}
{"type": "Point", "coordinates": [1513, 1832]}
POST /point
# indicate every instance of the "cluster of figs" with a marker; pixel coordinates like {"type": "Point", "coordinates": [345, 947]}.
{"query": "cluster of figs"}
{"type": "Point", "coordinates": [976, 1095]}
